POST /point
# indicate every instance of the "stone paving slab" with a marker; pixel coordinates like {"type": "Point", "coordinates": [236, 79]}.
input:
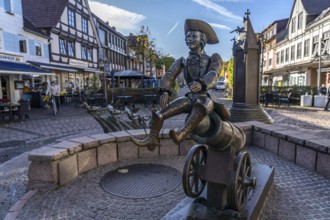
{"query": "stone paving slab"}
{"type": "Point", "coordinates": [297, 194]}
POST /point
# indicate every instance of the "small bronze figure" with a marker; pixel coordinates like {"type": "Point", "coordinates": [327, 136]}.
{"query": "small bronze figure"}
{"type": "Point", "coordinates": [201, 74]}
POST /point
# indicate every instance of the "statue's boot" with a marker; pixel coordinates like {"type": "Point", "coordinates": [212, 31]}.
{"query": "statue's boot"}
{"type": "Point", "coordinates": [196, 115]}
{"type": "Point", "coordinates": [151, 141]}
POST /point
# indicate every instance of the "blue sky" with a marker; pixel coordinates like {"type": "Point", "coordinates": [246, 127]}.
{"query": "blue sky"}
{"type": "Point", "coordinates": [165, 19]}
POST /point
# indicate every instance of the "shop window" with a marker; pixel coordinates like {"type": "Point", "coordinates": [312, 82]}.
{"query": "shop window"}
{"type": "Point", "coordinates": [71, 18]}
{"type": "Point", "coordinates": [71, 48]}
{"type": "Point", "coordinates": [38, 48]}
{"type": "Point", "coordinates": [62, 47]}
{"type": "Point", "coordinates": [22, 46]}
{"type": "Point", "coordinates": [84, 25]}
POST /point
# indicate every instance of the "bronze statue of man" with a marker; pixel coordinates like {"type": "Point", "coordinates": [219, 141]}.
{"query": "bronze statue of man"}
{"type": "Point", "coordinates": [201, 74]}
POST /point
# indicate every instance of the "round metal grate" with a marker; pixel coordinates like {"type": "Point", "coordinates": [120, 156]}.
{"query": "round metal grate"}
{"type": "Point", "coordinates": [141, 181]}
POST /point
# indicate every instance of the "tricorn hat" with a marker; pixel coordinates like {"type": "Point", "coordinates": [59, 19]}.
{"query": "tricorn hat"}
{"type": "Point", "coordinates": [198, 25]}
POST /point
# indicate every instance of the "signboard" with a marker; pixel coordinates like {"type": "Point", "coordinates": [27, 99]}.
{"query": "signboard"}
{"type": "Point", "coordinates": [7, 57]}
{"type": "Point", "coordinates": [78, 63]}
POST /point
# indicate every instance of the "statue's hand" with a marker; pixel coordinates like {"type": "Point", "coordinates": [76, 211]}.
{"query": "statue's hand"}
{"type": "Point", "coordinates": [164, 99]}
{"type": "Point", "coordinates": [195, 86]}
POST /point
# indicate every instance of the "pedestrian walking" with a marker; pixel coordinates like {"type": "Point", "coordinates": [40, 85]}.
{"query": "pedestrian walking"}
{"type": "Point", "coordinates": [326, 106]}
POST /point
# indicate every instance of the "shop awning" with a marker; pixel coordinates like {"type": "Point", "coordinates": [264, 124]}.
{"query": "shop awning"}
{"type": "Point", "coordinates": [53, 66]}
{"type": "Point", "coordinates": [21, 68]}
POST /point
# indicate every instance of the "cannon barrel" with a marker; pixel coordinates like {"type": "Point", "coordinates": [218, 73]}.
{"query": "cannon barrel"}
{"type": "Point", "coordinates": [219, 134]}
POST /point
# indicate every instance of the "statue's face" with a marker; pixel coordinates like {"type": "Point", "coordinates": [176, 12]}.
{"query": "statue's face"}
{"type": "Point", "coordinates": [193, 40]}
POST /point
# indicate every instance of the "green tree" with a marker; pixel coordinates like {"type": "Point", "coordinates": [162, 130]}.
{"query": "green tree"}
{"type": "Point", "coordinates": [230, 71]}
{"type": "Point", "coordinates": [165, 60]}
{"type": "Point", "coordinates": [143, 46]}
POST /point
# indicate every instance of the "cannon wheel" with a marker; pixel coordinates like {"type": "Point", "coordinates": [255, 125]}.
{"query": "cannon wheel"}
{"type": "Point", "coordinates": [193, 186]}
{"type": "Point", "coordinates": [241, 182]}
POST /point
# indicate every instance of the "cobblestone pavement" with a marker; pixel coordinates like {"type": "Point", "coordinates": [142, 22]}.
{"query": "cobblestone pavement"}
{"type": "Point", "coordinates": [16, 139]}
{"type": "Point", "coordinates": [297, 194]}
{"type": "Point", "coordinates": [19, 138]}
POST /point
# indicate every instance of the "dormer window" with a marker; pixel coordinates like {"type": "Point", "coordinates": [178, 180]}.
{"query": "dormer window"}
{"type": "Point", "coordinates": [293, 25]}
{"type": "Point", "coordinates": [300, 20]}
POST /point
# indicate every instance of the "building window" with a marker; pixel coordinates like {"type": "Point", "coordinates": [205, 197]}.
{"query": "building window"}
{"type": "Point", "coordinates": [83, 53]}
{"type": "Point", "coordinates": [299, 50]}
{"type": "Point", "coordinates": [300, 20]}
{"type": "Point", "coordinates": [71, 48]}
{"type": "Point", "coordinates": [306, 48]}
{"type": "Point", "coordinates": [102, 36]}
{"type": "Point", "coordinates": [71, 17]}
{"type": "Point", "coordinates": [325, 44]}
{"type": "Point", "coordinates": [293, 52]}
{"type": "Point", "coordinates": [8, 6]}
{"type": "Point", "coordinates": [109, 40]}
{"type": "Point", "coordinates": [282, 56]}
{"type": "Point", "coordinates": [22, 46]}
{"type": "Point", "coordinates": [89, 54]}
{"type": "Point", "coordinates": [277, 57]}
{"type": "Point", "coordinates": [315, 45]}
{"type": "Point", "coordinates": [293, 25]}
{"type": "Point", "coordinates": [62, 47]}
{"type": "Point", "coordinates": [270, 62]}
{"type": "Point", "coordinates": [0, 39]}
{"type": "Point", "coordinates": [38, 49]}
{"type": "Point", "coordinates": [84, 25]}
{"type": "Point", "coordinates": [287, 55]}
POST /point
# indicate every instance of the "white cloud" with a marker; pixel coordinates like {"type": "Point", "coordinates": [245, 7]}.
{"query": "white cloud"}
{"type": "Point", "coordinates": [218, 9]}
{"type": "Point", "coordinates": [220, 26]}
{"type": "Point", "coordinates": [124, 21]}
{"type": "Point", "coordinates": [172, 29]}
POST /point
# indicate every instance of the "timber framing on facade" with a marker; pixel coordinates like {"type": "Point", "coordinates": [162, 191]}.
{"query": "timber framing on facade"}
{"type": "Point", "coordinates": [295, 55]}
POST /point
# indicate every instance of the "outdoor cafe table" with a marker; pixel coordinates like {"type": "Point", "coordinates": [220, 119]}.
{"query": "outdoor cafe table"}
{"type": "Point", "coordinates": [8, 108]}
{"type": "Point", "coordinates": [124, 99]}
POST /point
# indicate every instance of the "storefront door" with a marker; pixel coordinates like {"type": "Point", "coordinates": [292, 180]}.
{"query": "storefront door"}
{"type": "Point", "coordinates": [4, 87]}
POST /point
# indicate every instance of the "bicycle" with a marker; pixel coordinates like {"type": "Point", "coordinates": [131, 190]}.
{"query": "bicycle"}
{"type": "Point", "coordinates": [53, 105]}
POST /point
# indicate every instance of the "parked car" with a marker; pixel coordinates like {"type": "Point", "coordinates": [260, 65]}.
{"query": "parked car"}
{"type": "Point", "coordinates": [220, 86]}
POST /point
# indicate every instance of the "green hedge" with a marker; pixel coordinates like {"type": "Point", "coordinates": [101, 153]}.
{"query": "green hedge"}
{"type": "Point", "coordinates": [297, 90]}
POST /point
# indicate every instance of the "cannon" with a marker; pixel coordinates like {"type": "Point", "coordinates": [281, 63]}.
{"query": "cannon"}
{"type": "Point", "coordinates": [219, 160]}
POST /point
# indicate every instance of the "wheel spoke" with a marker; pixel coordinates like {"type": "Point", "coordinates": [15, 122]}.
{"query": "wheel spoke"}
{"type": "Point", "coordinates": [196, 184]}
{"type": "Point", "coordinates": [192, 173]}
{"type": "Point", "coordinates": [247, 171]}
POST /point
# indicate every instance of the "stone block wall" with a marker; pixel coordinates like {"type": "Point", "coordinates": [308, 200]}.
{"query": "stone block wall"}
{"type": "Point", "coordinates": [303, 149]}
{"type": "Point", "coordinates": [61, 163]}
